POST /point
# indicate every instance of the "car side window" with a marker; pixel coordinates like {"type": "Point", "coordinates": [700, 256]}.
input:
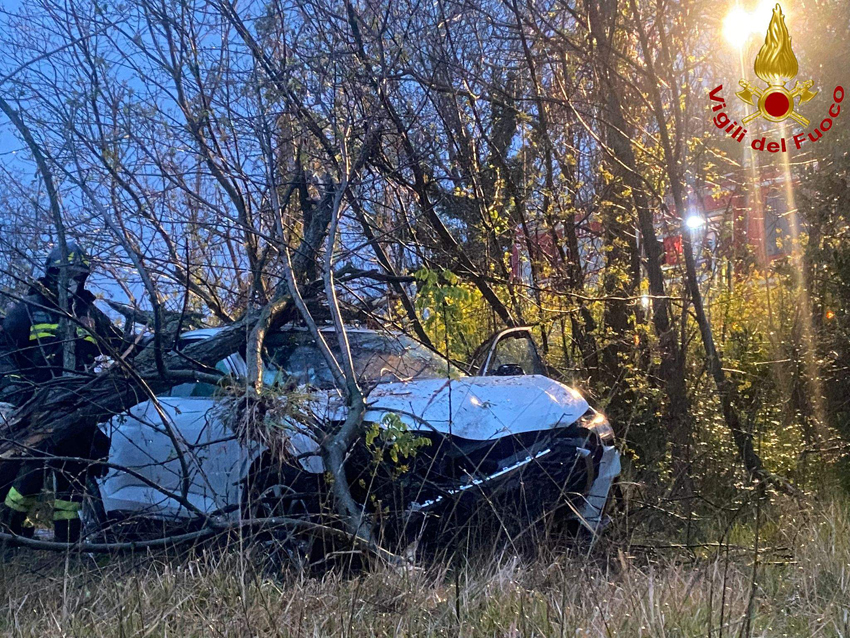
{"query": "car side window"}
{"type": "Point", "coordinates": [199, 389]}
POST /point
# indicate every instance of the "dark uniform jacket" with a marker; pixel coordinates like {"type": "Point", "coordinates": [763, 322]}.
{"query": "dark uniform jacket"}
{"type": "Point", "coordinates": [33, 352]}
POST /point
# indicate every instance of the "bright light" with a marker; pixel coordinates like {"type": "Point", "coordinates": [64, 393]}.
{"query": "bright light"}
{"type": "Point", "coordinates": [760, 17]}
{"type": "Point", "coordinates": [740, 24]}
{"type": "Point", "coordinates": [738, 27]}
{"type": "Point", "coordinates": [695, 221]}
{"type": "Point", "coordinates": [644, 301]}
{"type": "Point", "coordinates": [575, 394]}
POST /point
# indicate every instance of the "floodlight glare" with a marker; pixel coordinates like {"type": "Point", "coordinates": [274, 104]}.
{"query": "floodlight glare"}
{"type": "Point", "coordinates": [737, 27]}
{"type": "Point", "coordinates": [695, 221]}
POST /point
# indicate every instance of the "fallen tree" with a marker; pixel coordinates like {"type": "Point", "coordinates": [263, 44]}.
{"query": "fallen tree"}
{"type": "Point", "coordinates": [61, 409]}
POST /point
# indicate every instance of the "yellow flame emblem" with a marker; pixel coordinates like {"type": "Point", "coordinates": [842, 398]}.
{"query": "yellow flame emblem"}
{"type": "Point", "coordinates": [775, 65]}
{"type": "Point", "coordinates": [776, 62]}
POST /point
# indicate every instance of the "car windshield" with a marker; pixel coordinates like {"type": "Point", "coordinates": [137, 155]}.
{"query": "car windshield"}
{"type": "Point", "coordinates": [378, 357]}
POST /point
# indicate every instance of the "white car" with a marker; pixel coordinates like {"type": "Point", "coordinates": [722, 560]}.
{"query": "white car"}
{"type": "Point", "coordinates": [508, 429]}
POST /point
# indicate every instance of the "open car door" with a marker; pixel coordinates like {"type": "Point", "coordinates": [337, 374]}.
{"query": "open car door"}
{"type": "Point", "coordinates": [509, 353]}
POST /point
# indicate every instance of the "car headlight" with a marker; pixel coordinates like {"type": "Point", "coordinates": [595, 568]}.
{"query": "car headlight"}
{"type": "Point", "coordinates": [598, 423]}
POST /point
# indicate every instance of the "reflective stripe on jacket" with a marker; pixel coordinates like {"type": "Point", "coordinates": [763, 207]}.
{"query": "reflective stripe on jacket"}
{"type": "Point", "coordinates": [43, 331]}
{"type": "Point", "coordinates": [34, 339]}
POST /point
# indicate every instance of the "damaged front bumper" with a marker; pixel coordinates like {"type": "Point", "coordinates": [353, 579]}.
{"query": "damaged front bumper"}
{"type": "Point", "coordinates": [561, 475]}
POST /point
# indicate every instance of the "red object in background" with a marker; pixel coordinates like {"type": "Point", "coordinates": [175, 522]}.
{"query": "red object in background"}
{"type": "Point", "coordinates": [516, 252]}
{"type": "Point", "coordinates": [541, 243]}
{"type": "Point", "coordinates": [672, 249]}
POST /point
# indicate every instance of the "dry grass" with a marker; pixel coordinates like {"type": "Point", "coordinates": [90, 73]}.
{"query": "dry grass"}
{"type": "Point", "coordinates": [803, 590]}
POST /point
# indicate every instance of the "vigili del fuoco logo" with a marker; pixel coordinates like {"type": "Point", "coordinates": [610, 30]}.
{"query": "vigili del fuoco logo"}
{"type": "Point", "coordinates": [775, 65]}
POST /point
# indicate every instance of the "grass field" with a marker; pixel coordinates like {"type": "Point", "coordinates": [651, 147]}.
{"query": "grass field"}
{"type": "Point", "coordinates": [801, 587]}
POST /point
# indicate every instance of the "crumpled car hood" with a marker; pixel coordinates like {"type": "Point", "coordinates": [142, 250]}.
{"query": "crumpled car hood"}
{"type": "Point", "coordinates": [479, 408]}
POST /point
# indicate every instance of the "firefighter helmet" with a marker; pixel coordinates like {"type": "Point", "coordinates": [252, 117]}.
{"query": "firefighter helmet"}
{"type": "Point", "coordinates": [78, 262]}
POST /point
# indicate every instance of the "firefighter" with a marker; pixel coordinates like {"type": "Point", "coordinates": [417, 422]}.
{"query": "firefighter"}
{"type": "Point", "coordinates": [32, 356]}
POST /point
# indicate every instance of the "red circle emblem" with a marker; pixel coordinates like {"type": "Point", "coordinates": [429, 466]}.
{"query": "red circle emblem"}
{"type": "Point", "coordinates": [777, 104]}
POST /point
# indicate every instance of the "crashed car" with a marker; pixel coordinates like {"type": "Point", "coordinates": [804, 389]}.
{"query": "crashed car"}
{"type": "Point", "coordinates": [502, 427]}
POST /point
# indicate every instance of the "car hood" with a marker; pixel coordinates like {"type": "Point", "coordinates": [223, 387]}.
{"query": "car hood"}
{"type": "Point", "coordinates": [479, 408]}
